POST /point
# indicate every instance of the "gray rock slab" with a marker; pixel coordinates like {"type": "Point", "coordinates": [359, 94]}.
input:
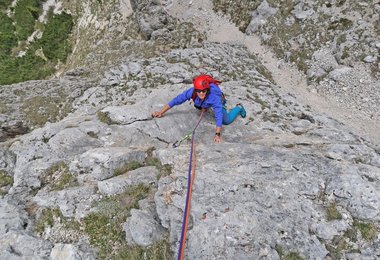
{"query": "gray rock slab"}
{"type": "Point", "coordinates": [72, 202]}
{"type": "Point", "coordinates": [11, 216]}
{"type": "Point", "coordinates": [118, 184]}
{"type": "Point", "coordinates": [260, 15]}
{"type": "Point", "coordinates": [101, 163]}
{"type": "Point", "coordinates": [328, 230]}
{"type": "Point", "coordinates": [142, 229]}
{"type": "Point", "coordinates": [69, 251]}
{"type": "Point", "coordinates": [247, 200]}
{"type": "Point", "coordinates": [360, 195]}
{"type": "Point", "coordinates": [21, 245]}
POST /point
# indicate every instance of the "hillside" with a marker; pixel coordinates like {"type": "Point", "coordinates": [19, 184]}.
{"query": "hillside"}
{"type": "Point", "coordinates": [87, 173]}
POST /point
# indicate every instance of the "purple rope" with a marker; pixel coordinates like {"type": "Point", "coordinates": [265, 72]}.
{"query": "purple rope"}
{"type": "Point", "coordinates": [181, 242]}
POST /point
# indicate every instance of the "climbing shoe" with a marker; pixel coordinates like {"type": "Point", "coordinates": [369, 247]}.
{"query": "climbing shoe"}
{"type": "Point", "coordinates": [242, 112]}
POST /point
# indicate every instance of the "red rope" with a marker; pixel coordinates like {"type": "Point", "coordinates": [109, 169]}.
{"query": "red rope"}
{"type": "Point", "coordinates": [191, 178]}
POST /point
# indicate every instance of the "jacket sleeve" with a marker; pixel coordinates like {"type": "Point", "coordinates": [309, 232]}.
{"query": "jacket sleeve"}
{"type": "Point", "coordinates": [218, 111]}
{"type": "Point", "coordinates": [217, 104]}
{"type": "Point", "coordinates": [184, 96]}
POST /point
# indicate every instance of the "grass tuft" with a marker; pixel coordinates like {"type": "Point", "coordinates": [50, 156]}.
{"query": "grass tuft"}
{"type": "Point", "coordinates": [129, 166]}
{"type": "Point", "coordinates": [105, 118]}
{"type": "Point", "coordinates": [5, 180]}
{"type": "Point", "coordinates": [332, 212]}
{"type": "Point", "coordinates": [292, 255]}
{"type": "Point", "coordinates": [47, 219]}
{"type": "Point", "coordinates": [367, 230]}
{"type": "Point", "coordinates": [58, 177]}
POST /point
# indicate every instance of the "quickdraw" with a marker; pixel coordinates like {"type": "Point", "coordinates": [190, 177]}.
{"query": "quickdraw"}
{"type": "Point", "coordinates": [186, 136]}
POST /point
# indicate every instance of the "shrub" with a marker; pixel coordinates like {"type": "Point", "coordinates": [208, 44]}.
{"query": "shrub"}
{"type": "Point", "coordinates": [4, 4]}
{"type": "Point", "coordinates": [7, 37]}
{"type": "Point", "coordinates": [28, 67]}
{"type": "Point", "coordinates": [34, 64]}
{"type": "Point", "coordinates": [26, 13]}
{"type": "Point", "coordinates": [54, 41]}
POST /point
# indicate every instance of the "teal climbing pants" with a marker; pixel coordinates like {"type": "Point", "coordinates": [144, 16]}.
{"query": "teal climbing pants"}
{"type": "Point", "coordinates": [230, 116]}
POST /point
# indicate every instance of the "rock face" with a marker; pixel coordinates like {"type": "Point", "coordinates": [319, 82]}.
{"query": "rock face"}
{"type": "Point", "coordinates": [285, 181]}
{"type": "Point", "coordinates": [322, 38]}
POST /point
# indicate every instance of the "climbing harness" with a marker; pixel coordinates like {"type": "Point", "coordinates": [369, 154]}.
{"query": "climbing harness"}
{"type": "Point", "coordinates": [190, 182]}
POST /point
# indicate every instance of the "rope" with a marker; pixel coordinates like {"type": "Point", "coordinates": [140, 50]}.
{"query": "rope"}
{"type": "Point", "coordinates": [190, 182]}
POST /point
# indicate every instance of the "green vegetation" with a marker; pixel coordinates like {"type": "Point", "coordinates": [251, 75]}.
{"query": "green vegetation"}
{"type": "Point", "coordinates": [50, 217]}
{"type": "Point", "coordinates": [241, 7]}
{"type": "Point", "coordinates": [54, 40]}
{"type": "Point", "coordinates": [66, 179]}
{"type": "Point", "coordinates": [341, 39]}
{"type": "Point", "coordinates": [4, 4]}
{"type": "Point", "coordinates": [129, 166]}
{"type": "Point", "coordinates": [368, 231]}
{"type": "Point", "coordinates": [26, 13]}
{"type": "Point", "coordinates": [286, 7]}
{"type": "Point", "coordinates": [337, 246]}
{"type": "Point", "coordinates": [58, 177]}
{"type": "Point", "coordinates": [332, 213]}
{"type": "Point", "coordinates": [377, 27]}
{"type": "Point", "coordinates": [8, 38]}
{"type": "Point", "coordinates": [341, 24]}
{"type": "Point", "coordinates": [104, 118]}
{"type": "Point", "coordinates": [47, 219]}
{"type": "Point", "coordinates": [3, 108]}
{"type": "Point", "coordinates": [341, 244]}
{"type": "Point", "coordinates": [27, 67]}
{"type": "Point", "coordinates": [150, 160]}
{"type": "Point", "coordinates": [158, 251]}
{"type": "Point", "coordinates": [257, 99]}
{"type": "Point", "coordinates": [296, 39]}
{"type": "Point", "coordinates": [265, 72]}
{"type": "Point", "coordinates": [104, 227]}
{"type": "Point", "coordinates": [289, 255]}
{"type": "Point", "coordinates": [21, 60]}
{"type": "Point", "coordinates": [41, 109]}
{"type": "Point", "coordinates": [274, 118]}
{"type": "Point", "coordinates": [164, 169]}
{"type": "Point", "coordinates": [5, 180]}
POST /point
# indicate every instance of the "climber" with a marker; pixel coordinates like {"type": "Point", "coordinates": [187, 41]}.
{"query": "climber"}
{"type": "Point", "coordinates": [205, 94]}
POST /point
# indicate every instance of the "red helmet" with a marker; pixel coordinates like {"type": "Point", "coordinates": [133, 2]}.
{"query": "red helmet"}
{"type": "Point", "coordinates": [203, 81]}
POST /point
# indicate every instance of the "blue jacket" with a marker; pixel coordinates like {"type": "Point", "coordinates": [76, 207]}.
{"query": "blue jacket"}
{"type": "Point", "coordinates": [213, 99]}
